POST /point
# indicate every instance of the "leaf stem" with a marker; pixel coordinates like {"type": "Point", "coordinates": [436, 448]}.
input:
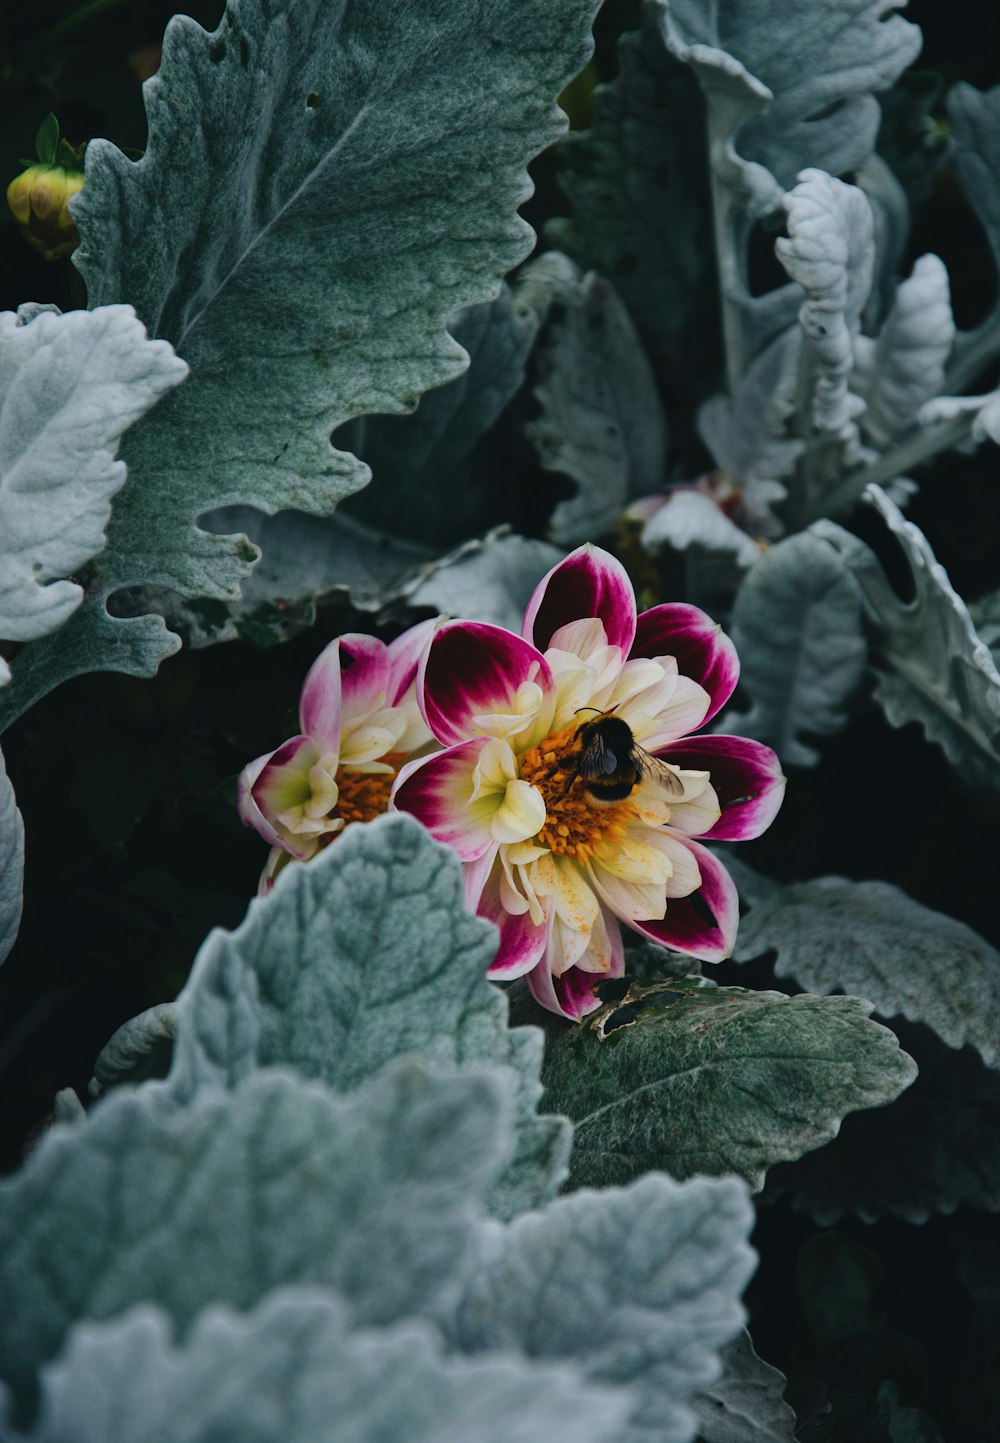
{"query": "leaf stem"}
{"type": "Point", "coordinates": [976, 356]}
{"type": "Point", "coordinates": [915, 451]}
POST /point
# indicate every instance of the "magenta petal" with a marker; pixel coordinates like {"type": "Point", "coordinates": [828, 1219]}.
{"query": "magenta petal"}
{"type": "Point", "coordinates": [570, 996]}
{"type": "Point", "coordinates": [364, 673]}
{"type": "Point", "coordinates": [703, 650]}
{"type": "Point", "coordinates": [474, 669]}
{"type": "Point", "coordinates": [286, 767]}
{"type": "Point", "coordinates": [405, 655]}
{"type": "Point", "coordinates": [589, 582]}
{"type": "Point", "coordinates": [521, 942]}
{"type": "Point", "coordinates": [319, 702]}
{"type": "Point", "coordinates": [747, 779]}
{"type": "Point", "coordinates": [686, 927]}
{"type": "Point", "coordinates": [436, 790]}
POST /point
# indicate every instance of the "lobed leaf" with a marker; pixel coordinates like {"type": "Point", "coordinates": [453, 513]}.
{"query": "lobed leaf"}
{"type": "Point", "coordinates": [293, 1371]}
{"type": "Point", "coordinates": [908, 359]}
{"type": "Point", "coordinates": [70, 386]}
{"type": "Point", "coordinates": [362, 956]}
{"type": "Point", "coordinates": [229, 1198]}
{"type": "Point", "coordinates": [869, 939]}
{"type": "Point", "coordinates": [694, 1079]}
{"type": "Point", "coordinates": [746, 1404]}
{"type": "Point", "coordinates": [669, 1261]}
{"type": "Point", "coordinates": [797, 627]}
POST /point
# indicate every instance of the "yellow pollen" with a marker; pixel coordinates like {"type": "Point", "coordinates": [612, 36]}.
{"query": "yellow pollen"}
{"type": "Point", "coordinates": [363, 796]}
{"type": "Point", "coordinates": [575, 822]}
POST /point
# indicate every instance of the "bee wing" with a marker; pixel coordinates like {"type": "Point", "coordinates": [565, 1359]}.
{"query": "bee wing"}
{"type": "Point", "coordinates": [660, 771]}
{"type": "Point", "coordinates": [596, 760]}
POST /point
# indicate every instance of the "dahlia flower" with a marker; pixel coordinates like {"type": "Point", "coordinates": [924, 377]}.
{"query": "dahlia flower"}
{"type": "Point", "coordinates": [359, 722]}
{"type": "Point", "coordinates": [553, 863]}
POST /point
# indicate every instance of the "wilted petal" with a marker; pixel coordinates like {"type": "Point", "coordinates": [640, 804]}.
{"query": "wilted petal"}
{"type": "Point", "coordinates": [702, 649]}
{"type": "Point", "coordinates": [588, 583]}
{"type": "Point", "coordinates": [747, 779]}
{"type": "Point", "coordinates": [479, 679]}
{"type": "Point", "coordinates": [438, 789]}
{"type": "Point", "coordinates": [704, 924]}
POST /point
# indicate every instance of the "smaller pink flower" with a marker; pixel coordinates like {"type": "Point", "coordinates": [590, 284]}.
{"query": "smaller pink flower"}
{"type": "Point", "coordinates": [360, 722]}
{"type": "Point", "coordinates": [555, 865]}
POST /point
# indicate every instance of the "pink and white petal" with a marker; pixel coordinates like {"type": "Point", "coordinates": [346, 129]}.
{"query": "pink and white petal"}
{"type": "Point", "coordinates": [698, 814]}
{"type": "Point", "coordinates": [570, 996]}
{"type": "Point", "coordinates": [405, 655]}
{"type": "Point", "coordinates": [319, 701]}
{"type": "Point", "coordinates": [747, 778]}
{"type": "Point", "coordinates": [522, 942]}
{"type": "Point", "coordinates": [282, 784]}
{"type": "Point", "coordinates": [437, 790]}
{"type": "Point", "coordinates": [475, 875]}
{"type": "Point", "coordinates": [704, 924]}
{"type": "Point", "coordinates": [685, 712]}
{"type": "Point", "coordinates": [588, 582]}
{"type": "Point", "coordinates": [627, 897]}
{"type": "Point", "coordinates": [364, 674]}
{"type": "Point", "coordinates": [249, 812]}
{"type": "Point", "coordinates": [605, 955]}
{"type": "Point", "coordinates": [703, 650]}
{"type": "Point", "coordinates": [475, 670]}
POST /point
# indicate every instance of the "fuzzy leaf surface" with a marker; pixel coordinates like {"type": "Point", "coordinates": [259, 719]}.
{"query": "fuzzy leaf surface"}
{"type": "Point", "coordinates": [974, 118]}
{"type": "Point", "coordinates": [336, 188]}
{"type": "Point", "coordinates": [797, 628]}
{"type": "Point", "coordinates": [869, 939]}
{"type": "Point", "coordinates": [365, 955]}
{"type": "Point", "coordinates": [227, 1199]}
{"type": "Point", "coordinates": [715, 1080]}
{"type": "Point", "coordinates": [293, 1371]}
{"type": "Point", "coordinates": [70, 386]}
{"type": "Point", "coordinates": [909, 356]}
{"type": "Point", "coordinates": [746, 1404]}
{"type": "Point", "coordinates": [600, 421]}
{"type": "Point", "coordinates": [933, 1151]}
{"type": "Point", "coordinates": [11, 862]}
{"type": "Point", "coordinates": [931, 665]}
{"type": "Point", "coordinates": [670, 1260]}
{"type": "Point", "coordinates": [818, 65]}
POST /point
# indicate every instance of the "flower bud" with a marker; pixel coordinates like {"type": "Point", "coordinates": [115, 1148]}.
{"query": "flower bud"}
{"type": "Point", "coordinates": [38, 200]}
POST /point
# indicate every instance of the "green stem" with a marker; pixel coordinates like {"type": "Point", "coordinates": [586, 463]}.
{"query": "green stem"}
{"type": "Point", "coordinates": [915, 451]}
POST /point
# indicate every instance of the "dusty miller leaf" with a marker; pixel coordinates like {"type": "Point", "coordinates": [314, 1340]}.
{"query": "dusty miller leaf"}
{"type": "Point", "coordinates": [365, 955]}
{"type": "Point", "coordinates": [70, 386]}
{"type": "Point", "coordinates": [229, 1198]}
{"type": "Point", "coordinates": [869, 939]}
{"type": "Point", "coordinates": [600, 421]}
{"type": "Point", "coordinates": [974, 117]}
{"type": "Point", "coordinates": [292, 1371]}
{"type": "Point", "coordinates": [140, 1043]}
{"type": "Point", "coordinates": [797, 626]}
{"type": "Point", "coordinates": [11, 863]}
{"type": "Point", "coordinates": [746, 1404]}
{"type": "Point", "coordinates": [934, 1150]}
{"type": "Point", "coordinates": [335, 195]}
{"type": "Point", "coordinates": [830, 252]}
{"type": "Point", "coordinates": [931, 666]}
{"type": "Point", "coordinates": [715, 1080]}
{"type": "Point", "coordinates": [670, 1261]}
{"type": "Point", "coordinates": [488, 580]}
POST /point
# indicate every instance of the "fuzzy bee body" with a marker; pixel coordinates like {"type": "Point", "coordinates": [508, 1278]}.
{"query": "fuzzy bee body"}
{"type": "Point", "coordinates": [610, 763]}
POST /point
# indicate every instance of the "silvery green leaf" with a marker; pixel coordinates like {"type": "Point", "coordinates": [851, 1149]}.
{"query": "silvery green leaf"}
{"type": "Point", "coordinates": [637, 185]}
{"type": "Point", "coordinates": [907, 362]}
{"type": "Point", "coordinates": [974, 117]}
{"type": "Point", "coordinates": [746, 1404]}
{"type": "Point", "coordinates": [669, 1260]}
{"type": "Point", "coordinates": [934, 1150]}
{"type": "Point", "coordinates": [797, 627]}
{"type": "Point", "coordinates": [293, 1371]}
{"type": "Point", "coordinates": [70, 386]}
{"type": "Point", "coordinates": [487, 580]}
{"type": "Point", "coordinates": [982, 414]}
{"type": "Point", "coordinates": [869, 939]}
{"type": "Point", "coordinates": [11, 863]}
{"type": "Point", "coordinates": [600, 422]}
{"type": "Point", "coordinates": [747, 433]}
{"type": "Point", "coordinates": [139, 1043]}
{"type": "Point", "coordinates": [427, 485]}
{"type": "Point", "coordinates": [365, 955]}
{"type": "Point", "coordinates": [830, 252]}
{"type": "Point", "coordinates": [931, 666]}
{"type": "Point", "coordinates": [334, 196]}
{"type": "Point", "coordinates": [693, 1079]}
{"type": "Point", "coordinates": [891, 232]}
{"type": "Point", "coordinates": [223, 1201]}
{"type": "Point", "coordinates": [820, 65]}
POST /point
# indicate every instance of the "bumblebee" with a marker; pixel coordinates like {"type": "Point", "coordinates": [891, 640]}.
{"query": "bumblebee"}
{"type": "Point", "coordinates": [609, 761]}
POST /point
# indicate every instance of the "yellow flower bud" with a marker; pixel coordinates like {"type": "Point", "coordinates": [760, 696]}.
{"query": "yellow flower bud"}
{"type": "Point", "coordinates": [39, 202]}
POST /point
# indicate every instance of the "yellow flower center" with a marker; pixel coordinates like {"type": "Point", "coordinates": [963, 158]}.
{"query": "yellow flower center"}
{"type": "Point", "coordinates": [575, 822]}
{"type": "Point", "coordinates": [362, 796]}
